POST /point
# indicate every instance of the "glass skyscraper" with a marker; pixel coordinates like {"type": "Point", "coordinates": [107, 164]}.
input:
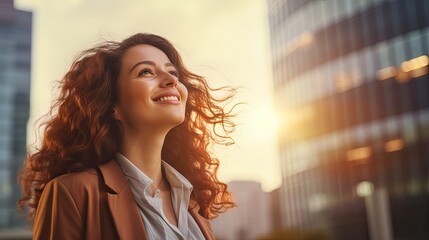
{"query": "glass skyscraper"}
{"type": "Point", "coordinates": [15, 71]}
{"type": "Point", "coordinates": [352, 84]}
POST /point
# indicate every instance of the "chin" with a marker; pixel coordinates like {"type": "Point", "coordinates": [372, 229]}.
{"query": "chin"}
{"type": "Point", "coordinates": [179, 121]}
{"type": "Point", "coordinates": [176, 121]}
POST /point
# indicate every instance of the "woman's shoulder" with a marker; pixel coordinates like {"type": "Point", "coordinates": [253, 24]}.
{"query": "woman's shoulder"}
{"type": "Point", "coordinates": [70, 200]}
{"type": "Point", "coordinates": [76, 181]}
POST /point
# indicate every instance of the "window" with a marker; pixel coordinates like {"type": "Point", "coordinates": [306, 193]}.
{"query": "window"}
{"type": "Point", "coordinates": [424, 124]}
{"type": "Point", "coordinates": [382, 52]}
{"type": "Point", "coordinates": [409, 130]}
{"type": "Point", "coordinates": [366, 59]}
{"type": "Point", "coordinates": [414, 42]}
{"type": "Point", "coordinates": [398, 50]}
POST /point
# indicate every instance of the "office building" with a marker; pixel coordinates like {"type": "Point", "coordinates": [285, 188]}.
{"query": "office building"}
{"type": "Point", "coordinates": [15, 68]}
{"type": "Point", "coordinates": [352, 84]}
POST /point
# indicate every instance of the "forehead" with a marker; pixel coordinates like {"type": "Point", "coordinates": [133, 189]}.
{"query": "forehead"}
{"type": "Point", "coordinates": [144, 52]}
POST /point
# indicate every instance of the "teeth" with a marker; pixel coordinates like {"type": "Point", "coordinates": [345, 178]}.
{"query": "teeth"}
{"type": "Point", "coordinates": [167, 98]}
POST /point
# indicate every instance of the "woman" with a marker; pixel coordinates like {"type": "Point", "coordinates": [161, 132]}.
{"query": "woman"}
{"type": "Point", "coordinates": [125, 156]}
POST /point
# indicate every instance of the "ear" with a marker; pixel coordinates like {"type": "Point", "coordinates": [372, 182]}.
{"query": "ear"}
{"type": "Point", "coordinates": [115, 113]}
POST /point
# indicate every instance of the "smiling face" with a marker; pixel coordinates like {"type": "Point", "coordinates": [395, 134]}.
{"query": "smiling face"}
{"type": "Point", "coordinates": [150, 93]}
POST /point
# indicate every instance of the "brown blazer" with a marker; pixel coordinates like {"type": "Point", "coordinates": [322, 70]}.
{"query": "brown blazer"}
{"type": "Point", "coordinates": [82, 205]}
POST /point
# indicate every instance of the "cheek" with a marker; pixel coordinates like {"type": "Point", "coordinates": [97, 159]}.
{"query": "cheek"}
{"type": "Point", "coordinates": [184, 92]}
{"type": "Point", "coordinates": [135, 93]}
{"type": "Point", "coordinates": [132, 101]}
{"type": "Point", "coordinates": [128, 98]}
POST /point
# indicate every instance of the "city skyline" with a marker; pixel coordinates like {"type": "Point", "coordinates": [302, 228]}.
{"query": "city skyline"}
{"type": "Point", "coordinates": [336, 116]}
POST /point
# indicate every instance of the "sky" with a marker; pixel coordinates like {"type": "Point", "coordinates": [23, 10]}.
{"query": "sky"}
{"type": "Point", "coordinates": [226, 41]}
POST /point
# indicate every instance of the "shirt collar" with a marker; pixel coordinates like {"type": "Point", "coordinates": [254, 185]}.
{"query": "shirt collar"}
{"type": "Point", "coordinates": [175, 178]}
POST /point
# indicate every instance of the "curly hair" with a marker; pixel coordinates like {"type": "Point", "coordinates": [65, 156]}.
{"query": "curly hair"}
{"type": "Point", "coordinates": [82, 133]}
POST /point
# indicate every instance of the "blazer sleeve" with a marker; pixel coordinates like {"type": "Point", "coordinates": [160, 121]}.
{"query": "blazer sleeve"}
{"type": "Point", "coordinates": [57, 215]}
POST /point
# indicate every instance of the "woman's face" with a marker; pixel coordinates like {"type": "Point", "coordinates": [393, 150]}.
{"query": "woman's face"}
{"type": "Point", "coordinates": [150, 94]}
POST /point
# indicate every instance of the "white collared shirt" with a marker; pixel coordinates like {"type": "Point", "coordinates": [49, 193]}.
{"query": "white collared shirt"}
{"type": "Point", "coordinates": [156, 224]}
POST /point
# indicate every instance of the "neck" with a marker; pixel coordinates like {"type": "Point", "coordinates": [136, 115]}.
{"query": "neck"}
{"type": "Point", "coordinates": [144, 151]}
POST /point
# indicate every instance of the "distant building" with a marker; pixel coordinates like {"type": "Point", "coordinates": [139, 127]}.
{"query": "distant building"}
{"type": "Point", "coordinates": [351, 77]}
{"type": "Point", "coordinates": [15, 71]}
{"type": "Point", "coordinates": [275, 207]}
{"type": "Point", "coordinates": [251, 219]}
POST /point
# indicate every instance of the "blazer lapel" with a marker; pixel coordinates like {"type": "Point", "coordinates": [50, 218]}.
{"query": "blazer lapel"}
{"type": "Point", "coordinates": [202, 222]}
{"type": "Point", "coordinates": [125, 212]}
{"type": "Point", "coordinates": [123, 208]}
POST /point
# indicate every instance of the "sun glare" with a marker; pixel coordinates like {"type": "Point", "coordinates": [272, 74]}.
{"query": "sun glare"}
{"type": "Point", "coordinates": [264, 120]}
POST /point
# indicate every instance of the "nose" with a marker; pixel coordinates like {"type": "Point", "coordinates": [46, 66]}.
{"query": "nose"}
{"type": "Point", "coordinates": [169, 80]}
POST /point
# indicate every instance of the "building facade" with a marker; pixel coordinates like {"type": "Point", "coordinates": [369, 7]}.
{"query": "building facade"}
{"type": "Point", "coordinates": [15, 71]}
{"type": "Point", "coordinates": [352, 84]}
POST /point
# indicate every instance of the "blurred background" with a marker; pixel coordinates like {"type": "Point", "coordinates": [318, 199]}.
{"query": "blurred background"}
{"type": "Point", "coordinates": [333, 142]}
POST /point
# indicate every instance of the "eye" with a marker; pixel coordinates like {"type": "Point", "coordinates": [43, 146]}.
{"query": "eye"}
{"type": "Point", "coordinates": [174, 73]}
{"type": "Point", "coordinates": [145, 71]}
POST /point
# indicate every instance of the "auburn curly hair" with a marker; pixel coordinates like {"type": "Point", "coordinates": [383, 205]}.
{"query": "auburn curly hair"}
{"type": "Point", "coordinates": [82, 133]}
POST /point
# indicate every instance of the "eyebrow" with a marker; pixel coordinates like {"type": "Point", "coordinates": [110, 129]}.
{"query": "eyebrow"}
{"type": "Point", "coordinates": [151, 63]}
